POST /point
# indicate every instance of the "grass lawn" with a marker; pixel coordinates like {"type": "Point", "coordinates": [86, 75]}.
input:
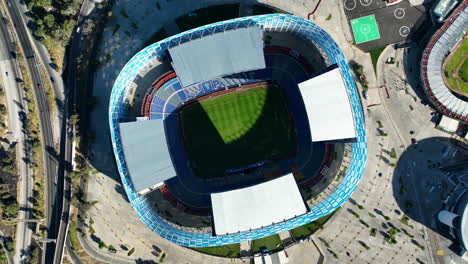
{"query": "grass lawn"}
{"type": "Point", "coordinates": [375, 54]}
{"type": "Point", "coordinates": [160, 35]}
{"type": "Point", "coordinates": [306, 230]}
{"type": "Point", "coordinates": [207, 15]}
{"type": "Point", "coordinates": [237, 129]}
{"type": "Point", "coordinates": [228, 251]}
{"type": "Point", "coordinates": [456, 69]}
{"type": "Point", "coordinates": [267, 242]}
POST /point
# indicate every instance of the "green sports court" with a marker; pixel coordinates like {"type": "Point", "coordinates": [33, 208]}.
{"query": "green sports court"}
{"type": "Point", "coordinates": [365, 29]}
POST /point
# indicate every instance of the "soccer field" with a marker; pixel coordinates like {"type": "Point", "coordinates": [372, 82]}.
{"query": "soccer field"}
{"type": "Point", "coordinates": [237, 129]}
{"type": "Point", "coordinates": [365, 29]}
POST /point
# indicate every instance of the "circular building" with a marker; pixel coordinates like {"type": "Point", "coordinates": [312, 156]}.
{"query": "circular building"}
{"type": "Point", "coordinates": [235, 126]}
{"type": "Point", "coordinates": [448, 101]}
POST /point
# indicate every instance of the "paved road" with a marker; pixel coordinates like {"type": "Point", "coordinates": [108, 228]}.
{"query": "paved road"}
{"type": "Point", "coordinates": [403, 127]}
{"type": "Point", "coordinates": [68, 131]}
{"type": "Point", "coordinates": [16, 103]}
{"type": "Point", "coordinates": [53, 184]}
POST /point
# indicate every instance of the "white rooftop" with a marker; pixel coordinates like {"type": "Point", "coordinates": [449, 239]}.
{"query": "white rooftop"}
{"type": "Point", "coordinates": [328, 107]}
{"type": "Point", "coordinates": [218, 54]}
{"type": "Point", "coordinates": [256, 206]}
{"type": "Point", "coordinates": [448, 124]}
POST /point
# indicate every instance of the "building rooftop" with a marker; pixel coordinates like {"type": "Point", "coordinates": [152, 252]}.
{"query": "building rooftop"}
{"type": "Point", "coordinates": [328, 107]}
{"type": "Point", "coordinates": [257, 206]}
{"type": "Point", "coordinates": [147, 154]}
{"type": "Point", "coordinates": [218, 54]}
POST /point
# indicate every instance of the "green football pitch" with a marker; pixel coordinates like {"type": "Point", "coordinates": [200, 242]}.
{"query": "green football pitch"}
{"type": "Point", "coordinates": [237, 129]}
{"type": "Point", "coordinates": [365, 29]}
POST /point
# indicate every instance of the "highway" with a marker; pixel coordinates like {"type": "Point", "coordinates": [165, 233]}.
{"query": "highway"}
{"type": "Point", "coordinates": [52, 182]}
{"type": "Point", "coordinates": [16, 104]}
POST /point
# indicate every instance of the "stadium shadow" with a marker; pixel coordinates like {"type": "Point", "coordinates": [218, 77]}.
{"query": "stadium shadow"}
{"type": "Point", "coordinates": [270, 137]}
{"type": "Point", "coordinates": [420, 184]}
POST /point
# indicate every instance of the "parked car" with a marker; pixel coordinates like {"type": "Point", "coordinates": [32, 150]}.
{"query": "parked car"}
{"type": "Point", "coordinates": [39, 85]}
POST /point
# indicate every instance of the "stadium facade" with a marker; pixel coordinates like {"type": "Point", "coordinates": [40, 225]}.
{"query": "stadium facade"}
{"type": "Point", "coordinates": [437, 50]}
{"type": "Point", "coordinates": [296, 26]}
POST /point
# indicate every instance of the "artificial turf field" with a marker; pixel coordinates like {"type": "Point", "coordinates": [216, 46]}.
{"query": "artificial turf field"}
{"type": "Point", "coordinates": [237, 129]}
{"type": "Point", "coordinates": [365, 29]}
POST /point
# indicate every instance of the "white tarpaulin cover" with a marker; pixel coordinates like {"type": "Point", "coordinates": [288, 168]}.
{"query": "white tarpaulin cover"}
{"type": "Point", "coordinates": [257, 206]}
{"type": "Point", "coordinates": [328, 107]}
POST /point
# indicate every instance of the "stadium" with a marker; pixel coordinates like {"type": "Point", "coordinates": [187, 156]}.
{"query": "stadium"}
{"type": "Point", "coordinates": [449, 102]}
{"type": "Point", "coordinates": [237, 130]}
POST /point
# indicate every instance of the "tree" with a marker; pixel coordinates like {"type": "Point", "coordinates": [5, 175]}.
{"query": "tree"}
{"type": "Point", "coordinates": [49, 21]}
{"type": "Point", "coordinates": [74, 119]}
{"type": "Point", "coordinates": [42, 3]}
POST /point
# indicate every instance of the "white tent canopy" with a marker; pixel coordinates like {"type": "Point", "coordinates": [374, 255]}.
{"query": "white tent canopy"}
{"type": "Point", "coordinates": [328, 107]}
{"type": "Point", "coordinates": [218, 54]}
{"type": "Point", "coordinates": [256, 206]}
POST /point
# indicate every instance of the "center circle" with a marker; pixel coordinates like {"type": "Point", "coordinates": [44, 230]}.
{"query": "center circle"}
{"type": "Point", "coordinates": [365, 29]}
{"type": "Point", "coordinates": [399, 13]}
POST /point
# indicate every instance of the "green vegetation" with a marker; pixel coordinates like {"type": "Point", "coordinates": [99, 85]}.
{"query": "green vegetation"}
{"type": "Point", "coordinates": [359, 71]}
{"type": "Point", "coordinates": [306, 230]}
{"type": "Point", "coordinates": [102, 245]}
{"type": "Point", "coordinates": [379, 123]}
{"type": "Point", "coordinates": [373, 232]}
{"type": "Point", "coordinates": [272, 243]}
{"type": "Point", "coordinates": [255, 119]}
{"type": "Point", "coordinates": [360, 207]}
{"type": "Point", "coordinates": [354, 213]}
{"type": "Point", "coordinates": [73, 234]}
{"type": "Point", "coordinates": [393, 154]}
{"type": "Point", "coordinates": [53, 23]}
{"type": "Point", "coordinates": [375, 54]}
{"type": "Point", "coordinates": [162, 258]}
{"type": "Point", "coordinates": [329, 17]}
{"type": "Point", "coordinates": [207, 15]}
{"type": "Point", "coordinates": [405, 220]}
{"type": "Point", "coordinates": [456, 69]}
{"type": "Point", "coordinates": [228, 251]}
{"type": "Point", "coordinates": [9, 207]}
{"type": "Point", "coordinates": [372, 215]}
{"type": "Point", "coordinates": [131, 252]}
{"type": "Point", "coordinates": [364, 223]}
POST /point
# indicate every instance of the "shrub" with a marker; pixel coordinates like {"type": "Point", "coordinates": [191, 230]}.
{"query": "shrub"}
{"type": "Point", "coordinates": [131, 252]}
{"type": "Point", "coordinates": [102, 245]}
{"type": "Point", "coordinates": [162, 258]}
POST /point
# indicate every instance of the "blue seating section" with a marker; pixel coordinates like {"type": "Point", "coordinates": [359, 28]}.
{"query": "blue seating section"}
{"type": "Point", "coordinates": [272, 22]}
